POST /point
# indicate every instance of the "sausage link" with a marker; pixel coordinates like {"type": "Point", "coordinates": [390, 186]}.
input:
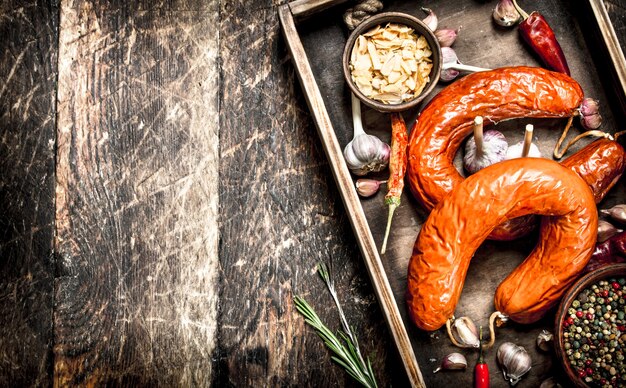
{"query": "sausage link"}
{"type": "Point", "coordinates": [497, 95]}
{"type": "Point", "coordinates": [600, 164]}
{"type": "Point", "coordinates": [464, 219]}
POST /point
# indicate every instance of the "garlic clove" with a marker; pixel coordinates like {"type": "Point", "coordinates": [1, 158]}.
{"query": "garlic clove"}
{"type": "Point", "coordinates": [589, 107]}
{"type": "Point", "coordinates": [514, 360]}
{"type": "Point", "coordinates": [431, 20]}
{"type": "Point", "coordinates": [453, 361]}
{"type": "Point", "coordinates": [591, 121]}
{"type": "Point", "coordinates": [617, 213]}
{"type": "Point", "coordinates": [367, 187]}
{"type": "Point", "coordinates": [544, 340]}
{"type": "Point", "coordinates": [446, 36]}
{"type": "Point", "coordinates": [465, 332]}
{"type": "Point", "coordinates": [505, 14]}
{"type": "Point", "coordinates": [606, 230]}
{"type": "Point", "coordinates": [448, 56]}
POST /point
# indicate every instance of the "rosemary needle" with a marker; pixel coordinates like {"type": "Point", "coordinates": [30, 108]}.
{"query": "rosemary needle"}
{"type": "Point", "coordinates": [347, 355]}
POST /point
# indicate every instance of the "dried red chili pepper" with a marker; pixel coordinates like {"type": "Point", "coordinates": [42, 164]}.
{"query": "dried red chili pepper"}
{"type": "Point", "coordinates": [397, 168]}
{"type": "Point", "coordinates": [481, 370]}
{"type": "Point", "coordinates": [538, 34]}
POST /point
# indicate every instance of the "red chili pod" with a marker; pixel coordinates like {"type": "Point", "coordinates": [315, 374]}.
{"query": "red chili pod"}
{"type": "Point", "coordinates": [538, 34]}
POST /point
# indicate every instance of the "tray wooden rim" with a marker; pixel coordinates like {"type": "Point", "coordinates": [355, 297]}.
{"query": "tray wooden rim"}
{"type": "Point", "coordinates": [289, 14]}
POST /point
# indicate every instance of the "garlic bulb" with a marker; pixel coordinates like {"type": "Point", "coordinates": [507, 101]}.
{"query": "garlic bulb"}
{"type": "Point", "coordinates": [524, 148]}
{"type": "Point", "coordinates": [544, 340]}
{"type": "Point", "coordinates": [514, 360]}
{"type": "Point", "coordinates": [617, 213]}
{"type": "Point", "coordinates": [365, 153]}
{"type": "Point", "coordinates": [606, 230]}
{"type": "Point", "coordinates": [483, 149]}
{"type": "Point", "coordinates": [453, 361]}
{"type": "Point", "coordinates": [465, 332]}
{"type": "Point", "coordinates": [505, 14]}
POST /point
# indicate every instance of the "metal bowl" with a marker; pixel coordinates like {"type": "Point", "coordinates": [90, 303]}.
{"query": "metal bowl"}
{"type": "Point", "coordinates": [421, 29]}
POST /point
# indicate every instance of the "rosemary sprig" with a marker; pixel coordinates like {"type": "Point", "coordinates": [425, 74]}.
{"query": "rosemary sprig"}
{"type": "Point", "coordinates": [347, 355]}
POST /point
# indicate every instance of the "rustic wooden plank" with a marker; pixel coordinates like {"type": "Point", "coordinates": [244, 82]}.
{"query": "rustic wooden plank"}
{"type": "Point", "coordinates": [136, 204]}
{"type": "Point", "coordinates": [281, 214]}
{"type": "Point", "coordinates": [29, 31]}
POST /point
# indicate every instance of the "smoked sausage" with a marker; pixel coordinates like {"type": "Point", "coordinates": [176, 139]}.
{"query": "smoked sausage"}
{"type": "Point", "coordinates": [497, 95]}
{"type": "Point", "coordinates": [600, 163]}
{"type": "Point", "coordinates": [464, 219]}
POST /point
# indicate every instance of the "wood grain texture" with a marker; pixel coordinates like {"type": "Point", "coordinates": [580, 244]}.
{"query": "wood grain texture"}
{"type": "Point", "coordinates": [281, 215]}
{"type": "Point", "coordinates": [28, 54]}
{"type": "Point", "coordinates": [136, 203]}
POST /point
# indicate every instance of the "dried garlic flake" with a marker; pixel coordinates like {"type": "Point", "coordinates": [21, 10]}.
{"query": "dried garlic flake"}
{"type": "Point", "coordinates": [391, 64]}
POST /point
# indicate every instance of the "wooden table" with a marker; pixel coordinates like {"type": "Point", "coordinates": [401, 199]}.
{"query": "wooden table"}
{"type": "Point", "coordinates": [164, 197]}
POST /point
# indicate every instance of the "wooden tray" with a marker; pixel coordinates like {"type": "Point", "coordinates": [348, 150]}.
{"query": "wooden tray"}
{"type": "Point", "coordinates": [315, 36]}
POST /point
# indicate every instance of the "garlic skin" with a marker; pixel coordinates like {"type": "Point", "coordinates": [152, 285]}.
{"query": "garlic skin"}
{"type": "Point", "coordinates": [544, 340]}
{"type": "Point", "coordinates": [505, 14]}
{"type": "Point", "coordinates": [514, 360]}
{"type": "Point", "coordinates": [431, 20]}
{"type": "Point", "coordinates": [465, 332]}
{"type": "Point", "coordinates": [446, 36]}
{"type": "Point", "coordinates": [494, 150]}
{"type": "Point", "coordinates": [453, 361]}
{"type": "Point", "coordinates": [367, 187]}
{"type": "Point", "coordinates": [366, 153]}
{"type": "Point", "coordinates": [606, 230]}
{"type": "Point", "coordinates": [617, 213]}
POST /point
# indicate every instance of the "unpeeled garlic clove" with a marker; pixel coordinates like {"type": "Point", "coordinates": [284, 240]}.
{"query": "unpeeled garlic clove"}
{"type": "Point", "coordinates": [431, 20]}
{"type": "Point", "coordinates": [591, 121]}
{"type": "Point", "coordinates": [453, 361]}
{"type": "Point", "coordinates": [446, 36]}
{"type": "Point", "coordinates": [367, 187]}
{"type": "Point", "coordinates": [366, 153]}
{"type": "Point", "coordinates": [617, 213]}
{"type": "Point", "coordinates": [589, 107]}
{"type": "Point", "coordinates": [465, 332]}
{"type": "Point", "coordinates": [448, 56]}
{"type": "Point", "coordinates": [514, 360]}
{"type": "Point", "coordinates": [606, 230]}
{"type": "Point", "coordinates": [505, 14]}
{"type": "Point", "coordinates": [544, 340]}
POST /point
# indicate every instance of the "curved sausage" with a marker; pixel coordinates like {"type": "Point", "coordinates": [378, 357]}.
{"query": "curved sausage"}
{"type": "Point", "coordinates": [466, 217]}
{"type": "Point", "coordinates": [497, 95]}
{"type": "Point", "coordinates": [600, 164]}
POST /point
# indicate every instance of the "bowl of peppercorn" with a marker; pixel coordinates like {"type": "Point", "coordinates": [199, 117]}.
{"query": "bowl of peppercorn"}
{"type": "Point", "coordinates": [590, 329]}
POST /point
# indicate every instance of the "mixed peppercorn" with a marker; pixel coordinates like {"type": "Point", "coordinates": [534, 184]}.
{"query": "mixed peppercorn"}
{"type": "Point", "coordinates": [594, 332]}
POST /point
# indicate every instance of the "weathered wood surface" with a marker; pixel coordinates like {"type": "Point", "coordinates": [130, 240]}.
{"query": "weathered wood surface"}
{"type": "Point", "coordinates": [28, 63]}
{"type": "Point", "coordinates": [119, 160]}
{"type": "Point", "coordinates": [136, 205]}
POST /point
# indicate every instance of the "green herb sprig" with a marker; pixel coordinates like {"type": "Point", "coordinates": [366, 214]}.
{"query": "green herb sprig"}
{"type": "Point", "coordinates": [347, 353]}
